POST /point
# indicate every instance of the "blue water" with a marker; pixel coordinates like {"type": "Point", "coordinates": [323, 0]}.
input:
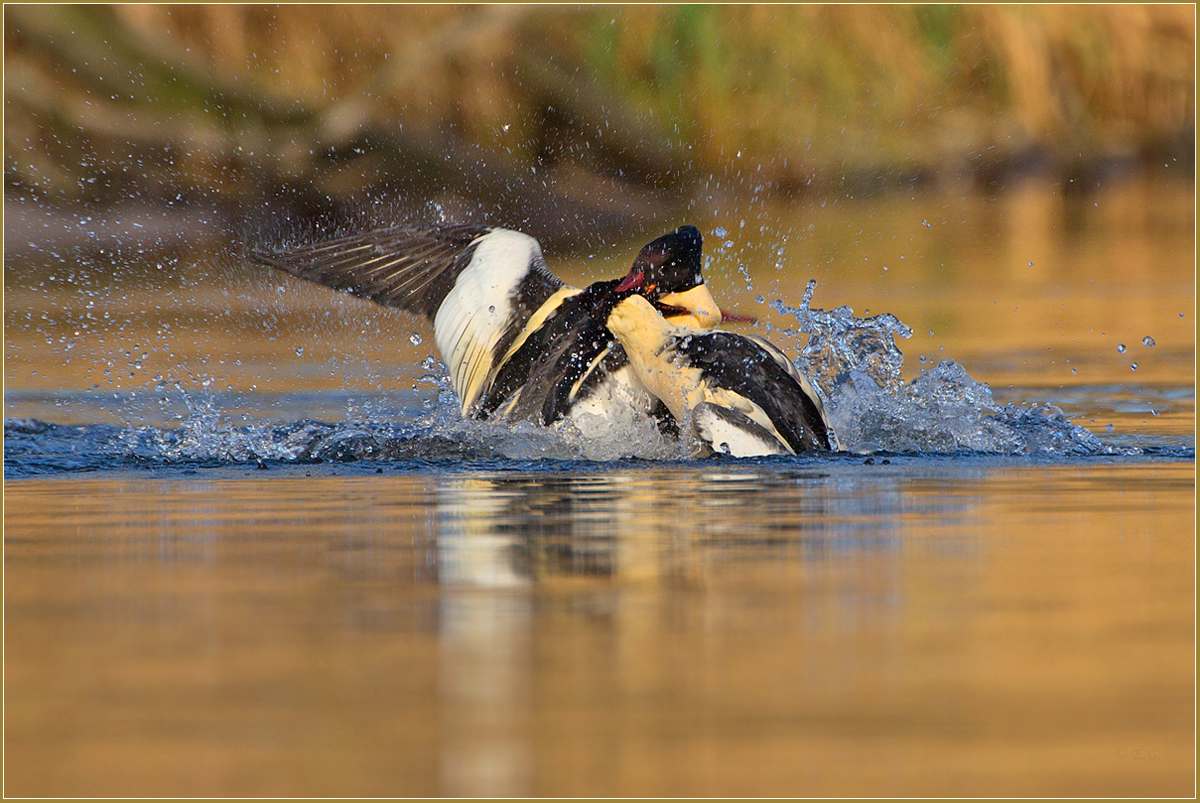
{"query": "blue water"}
{"type": "Point", "coordinates": [400, 434]}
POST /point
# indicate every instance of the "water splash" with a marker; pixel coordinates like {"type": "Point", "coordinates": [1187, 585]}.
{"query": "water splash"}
{"type": "Point", "coordinates": [856, 367]}
{"type": "Point", "coordinates": [582, 437]}
{"type": "Point", "coordinates": [211, 433]}
{"type": "Point", "coordinates": [855, 364]}
{"type": "Point", "coordinates": [839, 343]}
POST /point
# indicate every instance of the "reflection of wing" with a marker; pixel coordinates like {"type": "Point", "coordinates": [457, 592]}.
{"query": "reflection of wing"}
{"type": "Point", "coordinates": [478, 285]}
{"type": "Point", "coordinates": [473, 548]}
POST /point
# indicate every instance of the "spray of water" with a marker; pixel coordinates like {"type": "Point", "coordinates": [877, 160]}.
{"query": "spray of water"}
{"type": "Point", "coordinates": [854, 363]}
{"type": "Point", "coordinates": [856, 367]}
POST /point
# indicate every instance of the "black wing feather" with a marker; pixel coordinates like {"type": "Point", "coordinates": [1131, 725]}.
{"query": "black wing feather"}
{"type": "Point", "coordinates": [742, 365]}
{"type": "Point", "coordinates": [555, 356]}
{"type": "Point", "coordinates": [411, 268]}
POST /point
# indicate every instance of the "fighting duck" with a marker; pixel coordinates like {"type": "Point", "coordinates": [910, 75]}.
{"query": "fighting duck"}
{"type": "Point", "coordinates": [741, 395]}
{"type": "Point", "coordinates": [517, 341]}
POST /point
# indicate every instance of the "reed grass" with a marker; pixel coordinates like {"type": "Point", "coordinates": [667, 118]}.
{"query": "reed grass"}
{"type": "Point", "coordinates": [776, 95]}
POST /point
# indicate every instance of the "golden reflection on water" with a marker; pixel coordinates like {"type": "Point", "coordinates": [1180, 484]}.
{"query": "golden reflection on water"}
{"type": "Point", "coordinates": [927, 627]}
{"type": "Point", "coordinates": [936, 626]}
{"type": "Point", "coordinates": [1022, 287]}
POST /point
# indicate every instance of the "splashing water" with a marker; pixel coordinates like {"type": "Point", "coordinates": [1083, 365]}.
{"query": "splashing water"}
{"type": "Point", "coordinates": [209, 435]}
{"type": "Point", "coordinates": [854, 363]}
{"type": "Point", "coordinates": [839, 343]}
{"type": "Point", "coordinates": [584, 436]}
{"type": "Point", "coordinates": [856, 367]}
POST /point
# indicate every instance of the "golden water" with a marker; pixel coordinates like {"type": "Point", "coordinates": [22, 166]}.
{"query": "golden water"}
{"type": "Point", "coordinates": [929, 626]}
{"type": "Point", "coordinates": [884, 630]}
{"type": "Point", "coordinates": [1012, 286]}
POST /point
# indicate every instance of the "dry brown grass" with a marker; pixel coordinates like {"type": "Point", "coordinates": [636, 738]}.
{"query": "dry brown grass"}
{"type": "Point", "coordinates": [786, 93]}
{"type": "Point", "coordinates": [745, 74]}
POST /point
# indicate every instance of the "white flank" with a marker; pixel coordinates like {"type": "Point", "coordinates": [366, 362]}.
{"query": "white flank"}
{"type": "Point", "coordinates": [723, 397]}
{"type": "Point", "coordinates": [472, 318]}
{"type": "Point", "coordinates": [728, 438]}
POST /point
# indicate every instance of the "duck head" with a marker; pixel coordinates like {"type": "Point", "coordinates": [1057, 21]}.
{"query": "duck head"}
{"type": "Point", "coordinates": [667, 273]}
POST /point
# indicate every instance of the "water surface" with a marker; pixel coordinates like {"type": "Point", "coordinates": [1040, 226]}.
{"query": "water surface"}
{"type": "Point", "coordinates": [248, 552]}
{"type": "Point", "coordinates": [921, 627]}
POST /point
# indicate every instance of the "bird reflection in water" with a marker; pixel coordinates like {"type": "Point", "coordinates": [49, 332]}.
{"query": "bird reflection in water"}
{"type": "Point", "coordinates": [544, 577]}
{"type": "Point", "coordinates": [511, 549]}
{"type": "Point", "coordinates": [509, 532]}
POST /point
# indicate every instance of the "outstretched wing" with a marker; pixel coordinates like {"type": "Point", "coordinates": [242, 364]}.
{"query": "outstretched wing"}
{"type": "Point", "coordinates": [478, 285]}
{"type": "Point", "coordinates": [411, 268]}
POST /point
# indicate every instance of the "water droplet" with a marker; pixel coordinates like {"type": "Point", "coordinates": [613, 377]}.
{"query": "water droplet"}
{"type": "Point", "coordinates": [1072, 370]}
{"type": "Point", "coordinates": [1133, 366]}
{"type": "Point", "coordinates": [931, 333]}
{"type": "Point", "coordinates": [720, 231]}
{"type": "Point", "coordinates": [1148, 341]}
{"type": "Point", "coordinates": [1031, 264]}
{"type": "Point", "coordinates": [925, 223]}
{"type": "Point", "coordinates": [300, 351]}
{"type": "Point", "coordinates": [415, 339]}
{"type": "Point", "coordinates": [729, 243]}
{"type": "Point", "coordinates": [1121, 348]}
{"type": "Point", "coordinates": [492, 308]}
{"type": "Point", "coordinates": [759, 299]}
{"type": "Point", "coordinates": [1108, 427]}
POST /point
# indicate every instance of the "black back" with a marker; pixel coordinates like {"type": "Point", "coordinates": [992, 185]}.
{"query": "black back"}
{"type": "Point", "coordinates": [740, 364]}
{"type": "Point", "coordinates": [546, 366]}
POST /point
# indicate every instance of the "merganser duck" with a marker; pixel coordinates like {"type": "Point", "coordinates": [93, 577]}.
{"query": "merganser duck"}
{"type": "Point", "coordinates": [516, 340]}
{"type": "Point", "coordinates": [742, 395]}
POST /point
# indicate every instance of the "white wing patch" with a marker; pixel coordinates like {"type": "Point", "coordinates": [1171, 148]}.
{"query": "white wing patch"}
{"type": "Point", "coordinates": [474, 315]}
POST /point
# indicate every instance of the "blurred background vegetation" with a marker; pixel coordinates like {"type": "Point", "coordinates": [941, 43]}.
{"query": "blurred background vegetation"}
{"type": "Point", "coordinates": [575, 124]}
